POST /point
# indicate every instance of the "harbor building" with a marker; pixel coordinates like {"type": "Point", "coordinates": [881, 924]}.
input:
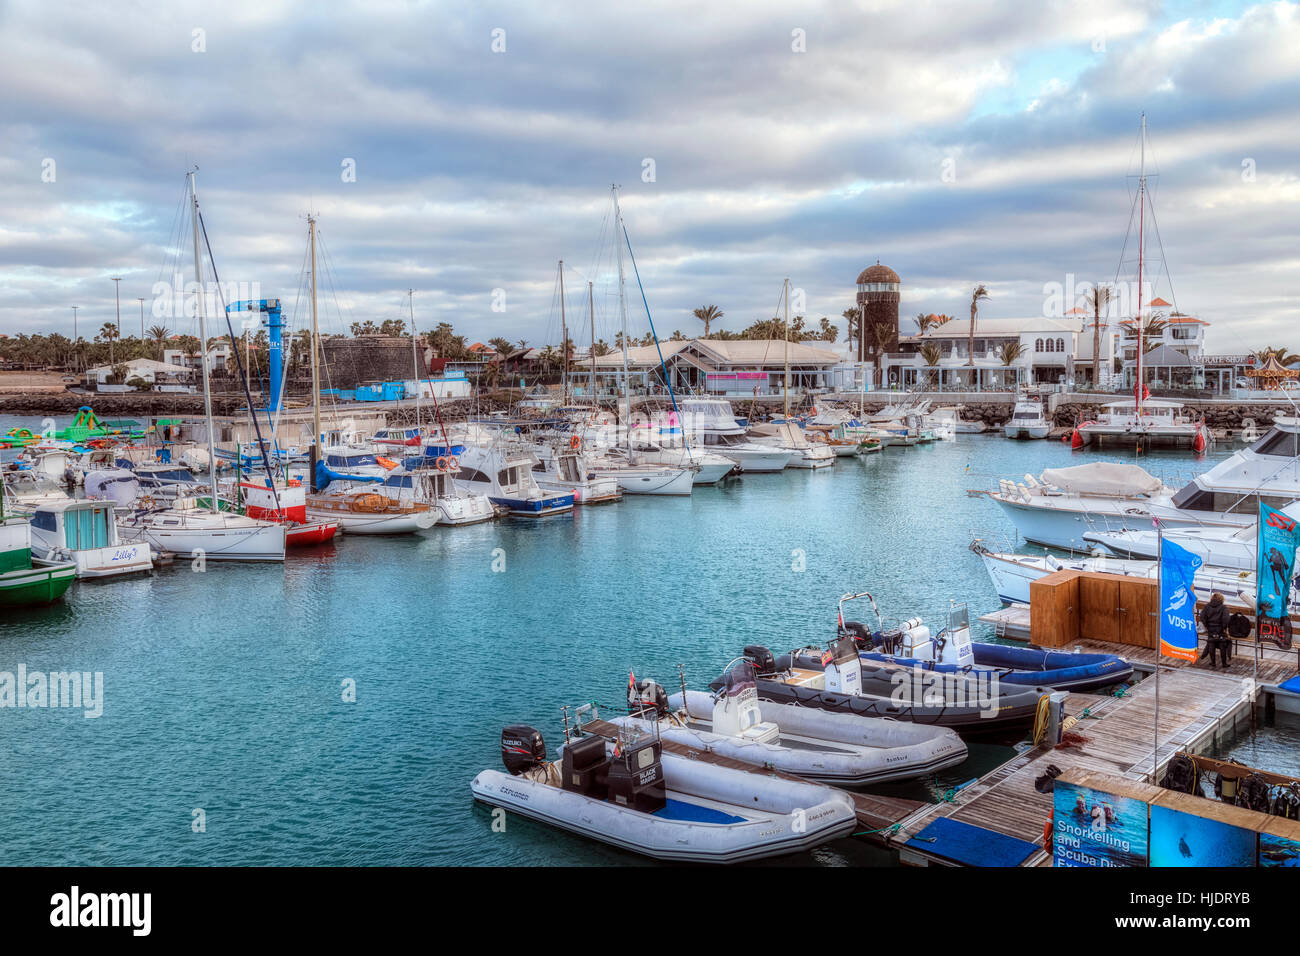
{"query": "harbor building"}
{"type": "Point", "coordinates": [743, 368]}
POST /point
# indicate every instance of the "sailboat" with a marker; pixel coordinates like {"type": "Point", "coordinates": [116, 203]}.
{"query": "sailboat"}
{"type": "Point", "coordinates": [635, 475]}
{"type": "Point", "coordinates": [1142, 421]}
{"type": "Point", "coordinates": [185, 527]}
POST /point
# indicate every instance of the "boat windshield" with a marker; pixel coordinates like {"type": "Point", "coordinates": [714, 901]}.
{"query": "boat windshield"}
{"type": "Point", "coordinates": [1277, 443]}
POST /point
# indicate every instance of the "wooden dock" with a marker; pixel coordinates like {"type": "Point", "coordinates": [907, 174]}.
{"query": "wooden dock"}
{"type": "Point", "coordinates": [1197, 707]}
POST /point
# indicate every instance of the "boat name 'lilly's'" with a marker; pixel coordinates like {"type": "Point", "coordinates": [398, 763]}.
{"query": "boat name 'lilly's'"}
{"type": "Point", "coordinates": [931, 689]}
{"type": "Point", "coordinates": [61, 689]}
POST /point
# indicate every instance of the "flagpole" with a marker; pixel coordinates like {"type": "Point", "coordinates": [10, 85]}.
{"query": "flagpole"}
{"type": "Point", "coordinates": [1155, 726]}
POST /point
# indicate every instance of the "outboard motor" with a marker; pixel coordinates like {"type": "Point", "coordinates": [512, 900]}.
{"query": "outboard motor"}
{"type": "Point", "coordinates": [646, 698]}
{"type": "Point", "coordinates": [522, 749]}
{"type": "Point", "coordinates": [859, 632]}
{"type": "Point", "coordinates": [843, 669]}
{"type": "Point", "coordinates": [761, 658]}
{"type": "Point", "coordinates": [636, 777]}
{"type": "Point", "coordinates": [736, 712]}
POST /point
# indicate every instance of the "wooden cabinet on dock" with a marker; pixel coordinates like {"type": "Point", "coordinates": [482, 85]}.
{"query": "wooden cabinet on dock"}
{"type": "Point", "coordinates": [1068, 605]}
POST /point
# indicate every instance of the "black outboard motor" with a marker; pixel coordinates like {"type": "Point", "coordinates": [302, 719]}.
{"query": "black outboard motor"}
{"type": "Point", "coordinates": [522, 749]}
{"type": "Point", "coordinates": [859, 632]}
{"type": "Point", "coordinates": [646, 698]}
{"type": "Point", "coordinates": [761, 658]}
{"type": "Point", "coordinates": [636, 777]}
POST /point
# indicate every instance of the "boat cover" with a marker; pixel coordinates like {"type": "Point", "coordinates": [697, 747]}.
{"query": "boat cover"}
{"type": "Point", "coordinates": [1103, 478]}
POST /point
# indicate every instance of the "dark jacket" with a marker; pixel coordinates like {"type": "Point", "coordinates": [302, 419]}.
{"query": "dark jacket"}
{"type": "Point", "coordinates": [1215, 618]}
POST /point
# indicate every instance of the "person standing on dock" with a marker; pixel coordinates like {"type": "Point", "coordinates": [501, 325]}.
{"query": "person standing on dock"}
{"type": "Point", "coordinates": [1214, 616]}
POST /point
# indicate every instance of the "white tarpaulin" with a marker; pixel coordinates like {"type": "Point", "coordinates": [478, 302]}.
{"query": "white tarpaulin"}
{"type": "Point", "coordinates": [1103, 478]}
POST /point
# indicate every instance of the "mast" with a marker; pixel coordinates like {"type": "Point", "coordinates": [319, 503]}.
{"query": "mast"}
{"type": "Point", "coordinates": [591, 305]}
{"type": "Point", "coordinates": [787, 346]}
{"type": "Point", "coordinates": [1142, 205]}
{"type": "Point", "coordinates": [203, 344]}
{"type": "Point", "coordinates": [564, 338]}
{"type": "Point", "coordinates": [622, 311]}
{"type": "Point", "coordinates": [415, 360]}
{"type": "Point", "coordinates": [315, 347]}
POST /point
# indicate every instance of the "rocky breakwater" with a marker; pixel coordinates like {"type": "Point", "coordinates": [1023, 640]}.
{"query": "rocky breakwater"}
{"type": "Point", "coordinates": [120, 404]}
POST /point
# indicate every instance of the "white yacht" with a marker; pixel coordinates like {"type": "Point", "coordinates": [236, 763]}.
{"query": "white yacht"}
{"type": "Point", "coordinates": [187, 529]}
{"type": "Point", "coordinates": [84, 533]}
{"type": "Point", "coordinates": [504, 472]}
{"type": "Point", "coordinates": [1027, 419]}
{"type": "Point", "coordinates": [789, 437]}
{"type": "Point", "coordinates": [561, 467]}
{"type": "Point", "coordinates": [636, 477]}
{"type": "Point", "coordinates": [1063, 504]}
{"type": "Point", "coordinates": [707, 467]}
{"type": "Point", "coordinates": [711, 426]}
{"type": "Point", "coordinates": [1154, 422]}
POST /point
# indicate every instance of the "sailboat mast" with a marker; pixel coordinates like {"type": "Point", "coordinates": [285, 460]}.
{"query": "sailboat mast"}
{"type": "Point", "coordinates": [1142, 205]}
{"type": "Point", "coordinates": [591, 306]}
{"type": "Point", "coordinates": [787, 347]}
{"type": "Point", "coordinates": [315, 349]}
{"type": "Point", "coordinates": [203, 343]}
{"type": "Point", "coordinates": [415, 359]}
{"type": "Point", "coordinates": [564, 338]}
{"type": "Point", "coordinates": [622, 311]}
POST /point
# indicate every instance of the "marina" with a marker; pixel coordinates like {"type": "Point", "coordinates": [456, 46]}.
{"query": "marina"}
{"type": "Point", "coordinates": [612, 557]}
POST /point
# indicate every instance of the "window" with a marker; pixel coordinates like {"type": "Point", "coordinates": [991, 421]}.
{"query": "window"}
{"type": "Point", "coordinates": [1051, 347]}
{"type": "Point", "coordinates": [1060, 345]}
{"type": "Point", "coordinates": [1038, 345]}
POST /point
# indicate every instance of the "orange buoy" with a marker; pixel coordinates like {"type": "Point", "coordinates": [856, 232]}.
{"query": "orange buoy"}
{"type": "Point", "coordinates": [441, 463]}
{"type": "Point", "coordinates": [575, 442]}
{"type": "Point", "coordinates": [453, 463]}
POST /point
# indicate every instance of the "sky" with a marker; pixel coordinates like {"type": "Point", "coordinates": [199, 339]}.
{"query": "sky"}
{"type": "Point", "coordinates": [461, 150]}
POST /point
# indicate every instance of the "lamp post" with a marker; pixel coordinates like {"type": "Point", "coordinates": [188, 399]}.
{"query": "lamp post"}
{"type": "Point", "coordinates": [117, 285]}
{"type": "Point", "coordinates": [75, 350]}
{"type": "Point", "coordinates": [140, 298]}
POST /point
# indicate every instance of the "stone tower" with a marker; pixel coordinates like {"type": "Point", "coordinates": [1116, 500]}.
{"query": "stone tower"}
{"type": "Point", "coordinates": [878, 298]}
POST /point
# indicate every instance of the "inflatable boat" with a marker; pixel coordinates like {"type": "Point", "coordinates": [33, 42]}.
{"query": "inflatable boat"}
{"type": "Point", "coordinates": [836, 679]}
{"type": "Point", "coordinates": [842, 749]}
{"type": "Point", "coordinates": [630, 794]}
{"type": "Point", "coordinates": [952, 651]}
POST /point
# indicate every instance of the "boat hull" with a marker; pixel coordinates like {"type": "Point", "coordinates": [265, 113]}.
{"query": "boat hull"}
{"type": "Point", "coordinates": [1031, 667]}
{"type": "Point", "coordinates": [1026, 432]}
{"type": "Point", "coordinates": [764, 810]}
{"type": "Point", "coordinates": [37, 585]}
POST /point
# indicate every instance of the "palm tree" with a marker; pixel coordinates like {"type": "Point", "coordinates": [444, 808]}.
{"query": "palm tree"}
{"type": "Point", "coordinates": [708, 314]}
{"type": "Point", "coordinates": [924, 321]}
{"type": "Point", "coordinates": [158, 335]}
{"type": "Point", "coordinates": [931, 353]}
{"type": "Point", "coordinates": [1098, 299]}
{"type": "Point", "coordinates": [1152, 329]}
{"type": "Point", "coordinates": [108, 333]}
{"type": "Point", "coordinates": [853, 316]}
{"type": "Point", "coordinates": [979, 292]}
{"type": "Point", "coordinates": [1010, 353]}
{"type": "Point", "coordinates": [1281, 354]}
{"type": "Point", "coordinates": [939, 320]}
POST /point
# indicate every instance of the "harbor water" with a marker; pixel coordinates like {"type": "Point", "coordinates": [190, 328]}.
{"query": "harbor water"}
{"type": "Point", "coordinates": [333, 709]}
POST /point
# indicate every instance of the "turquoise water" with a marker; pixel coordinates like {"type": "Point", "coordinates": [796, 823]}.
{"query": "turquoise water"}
{"type": "Point", "coordinates": [224, 689]}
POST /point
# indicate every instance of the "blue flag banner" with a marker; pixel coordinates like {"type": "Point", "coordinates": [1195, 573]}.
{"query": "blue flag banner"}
{"type": "Point", "coordinates": [1275, 549]}
{"type": "Point", "coordinates": [1177, 601]}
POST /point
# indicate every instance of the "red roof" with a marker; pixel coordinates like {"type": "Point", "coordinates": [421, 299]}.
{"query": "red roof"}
{"type": "Point", "coordinates": [1159, 303]}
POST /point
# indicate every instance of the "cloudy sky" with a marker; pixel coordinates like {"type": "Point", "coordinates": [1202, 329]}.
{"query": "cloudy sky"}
{"type": "Point", "coordinates": [959, 143]}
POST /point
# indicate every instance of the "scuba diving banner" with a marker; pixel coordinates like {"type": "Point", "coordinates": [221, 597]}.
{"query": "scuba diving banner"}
{"type": "Point", "coordinates": [1275, 550]}
{"type": "Point", "coordinates": [1177, 601]}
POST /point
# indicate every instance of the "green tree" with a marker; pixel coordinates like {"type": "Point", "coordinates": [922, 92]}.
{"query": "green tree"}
{"type": "Point", "coordinates": [979, 292]}
{"type": "Point", "coordinates": [1098, 299]}
{"type": "Point", "coordinates": [708, 314]}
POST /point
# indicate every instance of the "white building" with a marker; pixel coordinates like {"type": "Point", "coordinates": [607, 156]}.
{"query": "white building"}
{"type": "Point", "coordinates": [157, 374]}
{"type": "Point", "coordinates": [1008, 353]}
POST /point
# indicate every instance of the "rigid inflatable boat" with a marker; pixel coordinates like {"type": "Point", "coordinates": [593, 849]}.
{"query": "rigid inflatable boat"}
{"type": "Point", "coordinates": [843, 749]}
{"type": "Point", "coordinates": [836, 679]}
{"type": "Point", "coordinates": [630, 794]}
{"type": "Point", "coordinates": [952, 651]}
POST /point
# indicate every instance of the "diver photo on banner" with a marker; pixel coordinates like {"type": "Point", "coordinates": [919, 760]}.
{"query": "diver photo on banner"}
{"type": "Point", "coordinates": [1275, 548]}
{"type": "Point", "coordinates": [1178, 567]}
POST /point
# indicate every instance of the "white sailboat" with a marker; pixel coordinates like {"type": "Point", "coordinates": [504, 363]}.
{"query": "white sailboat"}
{"type": "Point", "coordinates": [185, 527]}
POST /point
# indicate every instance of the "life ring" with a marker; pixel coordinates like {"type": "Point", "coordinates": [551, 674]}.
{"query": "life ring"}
{"type": "Point", "coordinates": [441, 463]}
{"type": "Point", "coordinates": [453, 463]}
{"type": "Point", "coordinates": [146, 502]}
{"type": "Point", "coordinates": [575, 442]}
